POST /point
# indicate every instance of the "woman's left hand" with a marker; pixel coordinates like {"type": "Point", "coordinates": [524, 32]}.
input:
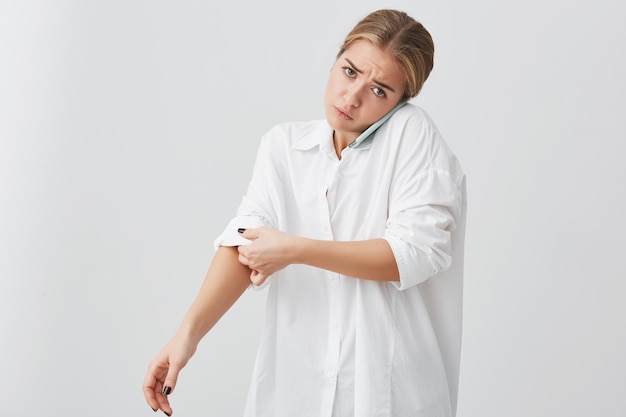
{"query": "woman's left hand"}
{"type": "Point", "coordinates": [269, 252]}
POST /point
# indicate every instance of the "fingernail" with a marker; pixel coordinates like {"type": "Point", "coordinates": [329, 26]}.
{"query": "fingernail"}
{"type": "Point", "coordinates": [154, 409]}
{"type": "Point", "coordinates": [167, 414]}
{"type": "Point", "coordinates": [241, 230]}
{"type": "Point", "coordinates": [167, 390]}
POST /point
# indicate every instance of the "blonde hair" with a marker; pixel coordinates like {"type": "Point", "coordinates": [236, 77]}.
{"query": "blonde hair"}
{"type": "Point", "coordinates": [408, 42]}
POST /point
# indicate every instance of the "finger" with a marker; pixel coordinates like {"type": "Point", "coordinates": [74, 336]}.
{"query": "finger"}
{"type": "Point", "coordinates": [165, 385]}
{"type": "Point", "coordinates": [249, 233]}
{"type": "Point", "coordinates": [243, 260]}
{"type": "Point", "coordinates": [149, 391]}
{"type": "Point", "coordinates": [162, 400]}
{"type": "Point", "coordinates": [151, 384]}
{"type": "Point", "coordinates": [170, 380]}
{"type": "Point", "coordinates": [257, 277]}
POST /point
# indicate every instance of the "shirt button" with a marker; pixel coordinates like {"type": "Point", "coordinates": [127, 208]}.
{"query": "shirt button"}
{"type": "Point", "coordinates": [330, 374]}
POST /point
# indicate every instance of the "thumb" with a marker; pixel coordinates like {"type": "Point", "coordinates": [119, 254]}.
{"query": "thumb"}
{"type": "Point", "coordinates": [249, 233]}
{"type": "Point", "coordinates": [170, 380]}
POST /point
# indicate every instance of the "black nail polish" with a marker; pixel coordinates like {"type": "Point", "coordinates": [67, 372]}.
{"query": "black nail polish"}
{"type": "Point", "coordinates": [241, 230]}
{"type": "Point", "coordinates": [167, 390]}
{"type": "Point", "coordinates": [167, 414]}
{"type": "Point", "coordinates": [154, 409]}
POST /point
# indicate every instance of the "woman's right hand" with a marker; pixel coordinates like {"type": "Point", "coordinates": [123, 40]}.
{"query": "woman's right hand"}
{"type": "Point", "coordinates": [160, 379]}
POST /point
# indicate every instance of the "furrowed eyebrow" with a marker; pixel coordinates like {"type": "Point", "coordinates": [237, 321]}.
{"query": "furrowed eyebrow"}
{"type": "Point", "coordinates": [377, 82]}
{"type": "Point", "coordinates": [354, 66]}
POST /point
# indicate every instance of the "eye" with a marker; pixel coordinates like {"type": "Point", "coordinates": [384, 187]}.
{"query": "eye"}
{"type": "Point", "coordinates": [379, 92]}
{"type": "Point", "coordinates": [350, 72]}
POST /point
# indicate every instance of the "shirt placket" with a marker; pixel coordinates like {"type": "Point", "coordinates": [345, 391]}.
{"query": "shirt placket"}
{"type": "Point", "coordinates": [333, 345]}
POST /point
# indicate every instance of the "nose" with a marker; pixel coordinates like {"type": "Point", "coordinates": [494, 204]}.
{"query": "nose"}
{"type": "Point", "coordinates": [352, 95]}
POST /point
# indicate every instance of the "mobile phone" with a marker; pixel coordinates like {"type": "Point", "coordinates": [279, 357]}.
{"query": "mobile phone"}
{"type": "Point", "coordinates": [367, 132]}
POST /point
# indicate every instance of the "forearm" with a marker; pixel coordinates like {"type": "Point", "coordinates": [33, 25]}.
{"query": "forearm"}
{"type": "Point", "coordinates": [224, 283]}
{"type": "Point", "coordinates": [368, 259]}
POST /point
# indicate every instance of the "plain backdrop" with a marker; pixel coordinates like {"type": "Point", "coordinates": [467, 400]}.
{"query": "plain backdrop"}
{"type": "Point", "coordinates": [128, 130]}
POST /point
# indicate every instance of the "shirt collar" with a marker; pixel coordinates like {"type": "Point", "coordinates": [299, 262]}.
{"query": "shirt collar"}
{"type": "Point", "coordinates": [321, 135]}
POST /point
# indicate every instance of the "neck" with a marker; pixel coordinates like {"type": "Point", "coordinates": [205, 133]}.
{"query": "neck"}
{"type": "Point", "coordinates": [341, 141]}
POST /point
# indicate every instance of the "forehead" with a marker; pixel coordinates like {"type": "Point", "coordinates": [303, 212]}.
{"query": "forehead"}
{"type": "Point", "coordinates": [371, 58]}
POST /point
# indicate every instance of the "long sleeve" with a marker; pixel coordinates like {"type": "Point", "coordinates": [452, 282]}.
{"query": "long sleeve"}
{"type": "Point", "coordinates": [426, 202]}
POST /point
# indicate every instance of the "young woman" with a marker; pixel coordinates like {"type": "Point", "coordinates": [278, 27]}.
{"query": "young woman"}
{"type": "Point", "coordinates": [355, 224]}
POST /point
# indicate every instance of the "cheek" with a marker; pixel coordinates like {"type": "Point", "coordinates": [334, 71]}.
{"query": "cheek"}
{"type": "Point", "coordinates": [328, 92]}
{"type": "Point", "coordinates": [330, 89]}
{"type": "Point", "coordinates": [375, 110]}
{"type": "Point", "coordinates": [334, 85]}
{"type": "Point", "coordinates": [329, 97]}
{"type": "Point", "coordinates": [378, 108]}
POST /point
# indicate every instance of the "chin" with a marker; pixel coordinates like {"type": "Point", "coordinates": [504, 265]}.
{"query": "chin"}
{"type": "Point", "coordinates": [339, 125]}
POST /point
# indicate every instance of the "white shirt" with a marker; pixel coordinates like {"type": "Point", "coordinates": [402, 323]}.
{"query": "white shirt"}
{"type": "Point", "coordinates": [339, 346]}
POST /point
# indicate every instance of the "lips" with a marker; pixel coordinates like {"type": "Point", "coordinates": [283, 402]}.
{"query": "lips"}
{"type": "Point", "coordinates": [342, 113]}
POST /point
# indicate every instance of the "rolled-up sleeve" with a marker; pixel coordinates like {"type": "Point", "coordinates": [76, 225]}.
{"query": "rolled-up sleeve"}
{"type": "Point", "coordinates": [420, 225]}
{"type": "Point", "coordinates": [256, 208]}
{"type": "Point", "coordinates": [231, 237]}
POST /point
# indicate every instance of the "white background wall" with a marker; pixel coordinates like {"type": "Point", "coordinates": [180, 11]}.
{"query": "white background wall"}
{"type": "Point", "coordinates": [127, 134]}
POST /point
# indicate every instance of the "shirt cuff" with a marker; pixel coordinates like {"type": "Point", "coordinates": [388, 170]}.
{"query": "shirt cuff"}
{"type": "Point", "coordinates": [414, 266]}
{"type": "Point", "coordinates": [231, 237]}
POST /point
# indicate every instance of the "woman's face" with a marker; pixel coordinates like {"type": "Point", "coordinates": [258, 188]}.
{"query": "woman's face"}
{"type": "Point", "coordinates": [364, 84]}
